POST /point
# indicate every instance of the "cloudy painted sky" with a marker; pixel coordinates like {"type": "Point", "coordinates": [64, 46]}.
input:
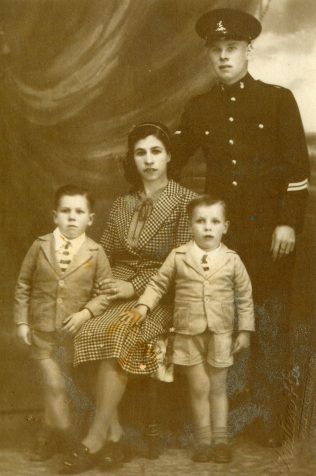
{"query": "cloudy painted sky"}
{"type": "Point", "coordinates": [285, 53]}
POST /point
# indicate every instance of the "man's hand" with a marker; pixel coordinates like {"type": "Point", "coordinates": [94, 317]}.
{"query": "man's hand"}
{"type": "Point", "coordinates": [23, 333]}
{"type": "Point", "coordinates": [72, 323]}
{"type": "Point", "coordinates": [242, 341]}
{"type": "Point", "coordinates": [283, 241]}
{"type": "Point", "coordinates": [116, 289]}
{"type": "Point", "coordinates": [135, 316]}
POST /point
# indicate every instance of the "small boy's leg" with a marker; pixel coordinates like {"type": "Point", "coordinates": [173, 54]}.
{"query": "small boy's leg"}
{"type": "Point", "coordinates": [219, 412]}
{"type": "Point", "coordinates": [199, 388]}
{"type": "Point", "coordinates": [56, 405]}
{"type": "Point", "coordinates": [55, 434]}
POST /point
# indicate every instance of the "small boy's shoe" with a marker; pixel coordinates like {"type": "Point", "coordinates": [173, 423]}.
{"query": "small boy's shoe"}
{"type": "Point", "coordinates": [115, 454]}
{"type": "Point", "coordinates": [46, 446]}
{"type": "Point", "coordinates": [202, 453]}
{"type": "Point", "coordinates": [221, 453]}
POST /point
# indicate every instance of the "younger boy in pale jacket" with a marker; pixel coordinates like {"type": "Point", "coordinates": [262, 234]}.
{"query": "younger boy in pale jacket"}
{"type": "Point", "coordinates": [53, 299]}
{"type": "Point", "coordinates": [211, 283]}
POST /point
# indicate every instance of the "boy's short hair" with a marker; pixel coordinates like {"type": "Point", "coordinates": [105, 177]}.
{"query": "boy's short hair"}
{"type": "Point", "coordinates": [72, 190]}
{"type": "Point", "coordinates": [206, 200]}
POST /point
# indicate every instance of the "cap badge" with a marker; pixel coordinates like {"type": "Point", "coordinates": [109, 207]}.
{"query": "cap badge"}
{"type": "Point", "coordinates": [220, 27]}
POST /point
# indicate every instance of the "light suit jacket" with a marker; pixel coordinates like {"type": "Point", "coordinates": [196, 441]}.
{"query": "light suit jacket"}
{"type": "Point", "coordinates": [204, 299]}
{"type": "Point", "coordinates": [44, 296]}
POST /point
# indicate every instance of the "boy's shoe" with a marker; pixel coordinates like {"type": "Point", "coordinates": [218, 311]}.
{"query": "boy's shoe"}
{"type": "Point", "coordinates": [115, 454]}
{"type": "Point", "coordinates": [202, 453]}
{"type": "Point", "coordinates": [221, 453]}
{"type": "Point", "coordinates": [46, 446]}
{"type": "Point", "coordinates": [79, 460]}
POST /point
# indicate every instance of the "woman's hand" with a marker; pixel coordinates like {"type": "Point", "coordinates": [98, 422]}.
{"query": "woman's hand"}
{"type": "Point", "coordinates": [24, 334]}
{"type": "Point", "coordinates": [72, 323]}
{"type": "Point", "coordinates": [135, 316]}
{"type": "Point", "coordinates": [117, 289]}
{"type": "Point", "coordinates": [242, 342]}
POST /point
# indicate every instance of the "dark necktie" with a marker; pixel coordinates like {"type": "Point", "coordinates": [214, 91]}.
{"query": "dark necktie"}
{"type": "Point", "coordinates": [205, 263]}
{"type": "Point", "coordinates": [65, 258]}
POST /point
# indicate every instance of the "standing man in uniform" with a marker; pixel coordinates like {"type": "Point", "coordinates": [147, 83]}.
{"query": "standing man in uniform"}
{"type": "Point", "coordinates": [253, 142]}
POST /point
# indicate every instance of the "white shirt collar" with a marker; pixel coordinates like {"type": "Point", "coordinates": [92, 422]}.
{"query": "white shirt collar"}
{"type": "Point", "coordinates": [75, 242]}
{"type": "Point", "coordinates": [199, 253]}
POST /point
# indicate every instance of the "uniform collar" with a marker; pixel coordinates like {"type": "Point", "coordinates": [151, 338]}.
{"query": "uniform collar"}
{"type": "Point", "coordinates": [240, 85]}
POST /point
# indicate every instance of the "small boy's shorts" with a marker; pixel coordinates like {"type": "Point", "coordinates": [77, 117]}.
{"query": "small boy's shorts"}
{"type": "Point", "coordinates": [215, 349]}
{"type": "Point", "coordinates": [52, 345]}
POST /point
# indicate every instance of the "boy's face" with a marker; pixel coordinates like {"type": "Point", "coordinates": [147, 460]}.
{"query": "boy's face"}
{"type": "Point", "coordinates": [73, 215]}
{"type": "Point", "coordinates": [208, 225]}
{"type": "Point", "coordinates": [229, 59]}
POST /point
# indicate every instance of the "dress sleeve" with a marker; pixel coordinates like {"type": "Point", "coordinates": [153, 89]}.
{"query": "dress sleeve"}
{"type": "Point", "coordinates": [97, 304]}
{"type": "Point", "coordinates": [183, 234]}
{"type": "Point", "coordinates": [109, 234]}
{"type": "Point", "coordinates": [294, 156]}
{"type": "Point", "coordinates": [148, 268]}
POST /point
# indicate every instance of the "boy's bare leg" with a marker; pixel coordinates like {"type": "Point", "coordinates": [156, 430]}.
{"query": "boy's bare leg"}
{"type": "Point", "coordinates": [219, 403]}
{"type": "Point", "coordinates": [199, 388]}
{"type": "Point", "coordinates": [56, 407]}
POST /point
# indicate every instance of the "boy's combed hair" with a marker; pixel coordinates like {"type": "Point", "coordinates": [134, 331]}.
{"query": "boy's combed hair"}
{"type": "Point", "coordinates": [71, 190]}
{"type": "Point", "coordinates": [206, 200]}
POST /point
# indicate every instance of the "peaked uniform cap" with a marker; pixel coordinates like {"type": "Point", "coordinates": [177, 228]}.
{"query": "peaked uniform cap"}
{"type": "Point", "coordinates": [227, 23]}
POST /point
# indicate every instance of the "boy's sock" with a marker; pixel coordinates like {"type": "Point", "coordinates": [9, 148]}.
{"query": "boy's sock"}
{"type": "Point", "coordinates": [220, 435]}
{"type": "Point", "coordinates": [203, 435]}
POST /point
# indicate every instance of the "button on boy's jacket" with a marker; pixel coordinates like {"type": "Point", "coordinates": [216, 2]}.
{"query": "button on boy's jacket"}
{"type": "Point", "coordinates": [45, 296]}
{"type": "Point", "coordinates": [204, 299]}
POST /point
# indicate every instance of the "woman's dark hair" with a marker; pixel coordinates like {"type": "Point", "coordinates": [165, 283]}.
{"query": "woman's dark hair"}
{"type": "Point", "coordinates": [141, 131]}
{"type": "Point", "coordinates": [206, 200]}
{"type": "Point", "coordinates": [72, 190]}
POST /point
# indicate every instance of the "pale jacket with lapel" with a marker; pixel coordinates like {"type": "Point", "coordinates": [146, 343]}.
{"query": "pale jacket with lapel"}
{"type": "Point", "coordinates": [44, 295]}
{"type": "Point", "coordinates": [204, 299]}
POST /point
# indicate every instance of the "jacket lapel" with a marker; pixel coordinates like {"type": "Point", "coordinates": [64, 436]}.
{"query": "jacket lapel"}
{"type": "Point", "coordinates": [219, 260]}
{"type": "Point", "coordinates": [48, 247]}
{"type": "Point", "coordinates": [161, 211]}
{"type": "Point", "coordinates": [191, 260]}
{"type": "Point", "coordinates": [82, 256]}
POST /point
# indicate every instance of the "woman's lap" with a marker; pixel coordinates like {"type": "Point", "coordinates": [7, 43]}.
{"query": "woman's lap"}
{"type": "Point", "coordinates": [107, 337]}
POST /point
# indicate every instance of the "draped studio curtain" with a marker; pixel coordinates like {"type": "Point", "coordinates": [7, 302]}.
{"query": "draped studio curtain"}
{"type": "Point", "coordinates": [75, 76]}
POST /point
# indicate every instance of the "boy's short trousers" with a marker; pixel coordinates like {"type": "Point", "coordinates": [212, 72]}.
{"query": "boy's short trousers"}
{"type": "Point", "coordinates": [215, 349]}
{"type": "Point", "coordinates": [52, 345]}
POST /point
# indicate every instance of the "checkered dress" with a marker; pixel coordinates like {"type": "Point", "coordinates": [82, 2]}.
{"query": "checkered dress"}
{"type": "Point", "coordinates": [106, 337]}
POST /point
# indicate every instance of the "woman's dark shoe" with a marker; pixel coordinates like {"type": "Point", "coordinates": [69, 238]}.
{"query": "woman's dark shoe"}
{"type": "Point", "coordinates": [115, 454]}
{"type": "Point", "coordinates": [202, 453]}
{"type": "Point", "coordinates": [79, 460]}
{"type": "Point", "coordinates": [221, 453]}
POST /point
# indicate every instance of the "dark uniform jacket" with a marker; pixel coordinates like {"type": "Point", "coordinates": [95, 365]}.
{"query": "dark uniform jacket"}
{"type": "Point", "coordinates": [254, 144]}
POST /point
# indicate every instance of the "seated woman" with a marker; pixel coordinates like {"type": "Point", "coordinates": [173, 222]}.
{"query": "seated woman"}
{"type": "Point", "coordinates": [144, 225]}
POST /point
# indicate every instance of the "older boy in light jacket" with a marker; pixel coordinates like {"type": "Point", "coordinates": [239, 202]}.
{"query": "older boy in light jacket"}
{"type": "Point", "coordinates": [53, 299]}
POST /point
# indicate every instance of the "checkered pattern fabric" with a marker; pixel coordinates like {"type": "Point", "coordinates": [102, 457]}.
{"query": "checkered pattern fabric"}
{"type": "Point", "coordinates": [166, 228]}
